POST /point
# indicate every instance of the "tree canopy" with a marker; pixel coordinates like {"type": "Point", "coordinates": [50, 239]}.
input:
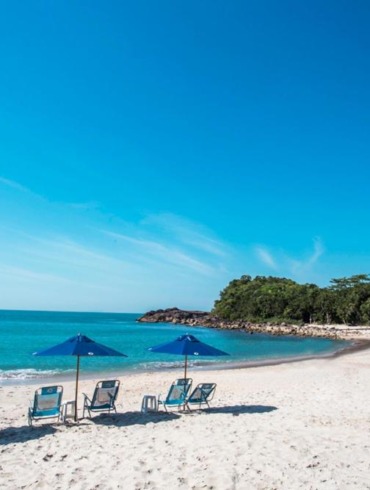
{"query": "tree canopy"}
{"type": "Point", "coordinates": [262, 299]}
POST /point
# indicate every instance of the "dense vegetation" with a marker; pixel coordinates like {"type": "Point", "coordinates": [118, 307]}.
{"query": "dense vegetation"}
{"type": "Point", "coordinates": [262, 299]}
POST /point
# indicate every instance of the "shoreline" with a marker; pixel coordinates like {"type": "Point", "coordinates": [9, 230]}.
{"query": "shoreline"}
{"type": "Point", "coordinates": [355, 346]}
{"type": "Point", "coordinates": [207, 320]}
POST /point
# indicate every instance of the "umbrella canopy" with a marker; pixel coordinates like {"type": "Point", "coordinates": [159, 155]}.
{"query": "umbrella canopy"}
{"type": "Point", "coordinates": [187, 345]}
{"type": "Point", "coordinates": [79, 346]}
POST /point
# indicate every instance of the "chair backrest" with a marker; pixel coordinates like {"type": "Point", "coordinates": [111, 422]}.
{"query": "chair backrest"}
{"type": "Point", "coordinates": [105, 393]}
{"type": "Point", "coordinates": [47, 399]}
{"type": "Point", "coordinates": [202, 393]}
{"type": "Point", "coordinates": [179, 390]}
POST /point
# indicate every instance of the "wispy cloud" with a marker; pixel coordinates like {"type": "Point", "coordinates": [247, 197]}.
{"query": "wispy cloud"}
{"type": "Point", "coordinates": [171, 241]}
{"type": "Point", "coordinates": [84, 206]}
{"type": "Point", "coordinates": [14, 185]}
{"type": "Point", "coordinates": [68, 258]}
{"type": "Point", "coordinates": [20, 188]}
{"type": "Point", "coordinates": [306, 264]}
{"type": "Point", "coordinates": [288, 265]}
{"type": "Point", "coordinates": [63, 250]}
{"type": "Point", "coordinates": [164, 253]}
{"type": "Point", "coordinates": [187, 232]}
{"type": "Point", "coordinates": [266, 257]}
{"type": "Point", "coordinates": [28, 275]}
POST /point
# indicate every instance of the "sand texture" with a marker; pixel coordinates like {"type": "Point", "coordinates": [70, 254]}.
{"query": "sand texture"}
{"type": "Point", "coordinates": [289, 426]}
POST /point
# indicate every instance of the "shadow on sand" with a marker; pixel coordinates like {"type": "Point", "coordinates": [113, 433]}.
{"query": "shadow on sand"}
{"type": "Point", "coordinates": [133, 418]}
{"type": "Point", "coordinates": [241, 409]}
{"type": "Point", "coordinates": [13, 435]}
{"type": "Point", "coordinates": [138, 418]}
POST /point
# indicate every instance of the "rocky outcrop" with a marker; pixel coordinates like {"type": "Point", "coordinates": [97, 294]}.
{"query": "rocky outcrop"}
{"type": "Point", "coordinates": [174, 315]}
{"type": "Point", "coordinates": [205, 319]}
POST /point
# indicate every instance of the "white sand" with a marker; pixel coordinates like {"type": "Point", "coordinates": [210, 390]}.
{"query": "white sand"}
{"type": "Point", "coordinates": [298, 425]}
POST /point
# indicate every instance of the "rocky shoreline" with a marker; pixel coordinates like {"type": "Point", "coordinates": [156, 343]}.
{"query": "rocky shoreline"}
{"type": "Point", "coordinates": [206, 319]}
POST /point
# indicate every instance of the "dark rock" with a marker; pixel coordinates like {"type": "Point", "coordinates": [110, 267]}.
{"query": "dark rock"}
{"type": "Point", "coordinates": [174, 315]}
{"type": "Point", "coordinates": [205, 319]}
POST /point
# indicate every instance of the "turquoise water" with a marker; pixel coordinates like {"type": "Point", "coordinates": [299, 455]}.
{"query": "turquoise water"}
{"type": "Point", "coordinates": [24, 332]}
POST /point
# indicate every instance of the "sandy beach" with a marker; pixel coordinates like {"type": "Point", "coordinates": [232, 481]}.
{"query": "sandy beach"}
{"type": "Point", "coordinates": [287, 426]}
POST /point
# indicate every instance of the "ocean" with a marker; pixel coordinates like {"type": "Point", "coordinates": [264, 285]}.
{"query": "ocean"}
{"type": "Point", "coordinates": [24, 332]}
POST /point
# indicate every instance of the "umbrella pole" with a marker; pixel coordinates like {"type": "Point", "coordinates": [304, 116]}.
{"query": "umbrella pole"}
{"type": "Point", "coordinates": [186, 364]}
{"type": "Point", "coordinates": [76, 393]}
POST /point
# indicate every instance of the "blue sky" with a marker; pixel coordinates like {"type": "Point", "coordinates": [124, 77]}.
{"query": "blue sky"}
{"type": "Point", "coordinates": [150, 152]}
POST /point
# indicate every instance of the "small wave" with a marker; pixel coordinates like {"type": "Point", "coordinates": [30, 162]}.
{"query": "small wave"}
{"type": "Point", "coordinates": [167, 365]}
{"type": "Point", "coordinates": [27, 374]}
{"type": "Point", "coordinates": [159, 365]}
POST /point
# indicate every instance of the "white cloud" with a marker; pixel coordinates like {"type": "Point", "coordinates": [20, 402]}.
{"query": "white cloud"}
{"type": "Point", "coordinates": [266, 257]}
{"type": "Point", "coordinates": [318, 251]}
{"type": "Point", "coordinates": [28, 275]}
{"type": "Point", "coordinates": [69, 260]}
{"type": "Point", "coordinates": [84, 206]}
{"type": "Point", "coordinates": [302, 269]}
{"type": "Point", "coordinates": [65, 252]}
{"type": "Point", "coordinates": [164, 253]}
{"type": "Point", "coordinates": [305, 265]}
{"type": "Point", "coordinates": [13, 185]}
{"type": "Point", "coordinates": [21, 188]}
{"type": "Point", "coordinates": [187, 232]}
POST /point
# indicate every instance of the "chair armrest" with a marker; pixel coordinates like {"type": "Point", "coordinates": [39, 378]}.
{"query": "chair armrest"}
{"type": "Point", "coordinates": [86, 398]}
{"type": "Point", "coordinates": [30, 408]}
{"type": "Point", "coordinates": [62, 413]}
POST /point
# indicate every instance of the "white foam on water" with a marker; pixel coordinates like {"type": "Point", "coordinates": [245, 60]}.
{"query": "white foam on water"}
{"type": "Point", "coordinates": [21, 374]}
{"type": "Point", "coordinates": [169, 365]}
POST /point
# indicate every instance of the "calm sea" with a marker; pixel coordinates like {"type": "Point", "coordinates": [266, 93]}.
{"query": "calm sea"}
{"type": "Point", "coordinates": [24, 332]}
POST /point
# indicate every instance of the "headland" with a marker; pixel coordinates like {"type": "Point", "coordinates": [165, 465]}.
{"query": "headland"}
{"type": "Point", "coordinates": [205, 319]}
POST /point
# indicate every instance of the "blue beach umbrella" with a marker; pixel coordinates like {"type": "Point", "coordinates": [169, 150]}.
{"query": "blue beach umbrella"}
{"type": "Point", "coordinates": [187, 345]}
{"type": "Point", "coordinates": [79, 346]}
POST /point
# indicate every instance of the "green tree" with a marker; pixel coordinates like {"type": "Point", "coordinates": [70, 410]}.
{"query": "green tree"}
{"type": "Point", "coordinates": [346, 300]}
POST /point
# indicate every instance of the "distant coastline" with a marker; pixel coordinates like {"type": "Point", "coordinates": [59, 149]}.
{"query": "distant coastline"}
{"type": "Point", "coordinates": [196, 318]}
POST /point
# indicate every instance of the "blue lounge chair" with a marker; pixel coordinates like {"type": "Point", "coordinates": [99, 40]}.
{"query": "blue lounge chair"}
{"type": "Point", "coordinates": [103, 399]}
{"type": "Point", "coordinates": [203, 393]}
{"type": "Point", "coordinates": [177, 394]}
{"type": "Point", "coordinates": [47, 403]}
